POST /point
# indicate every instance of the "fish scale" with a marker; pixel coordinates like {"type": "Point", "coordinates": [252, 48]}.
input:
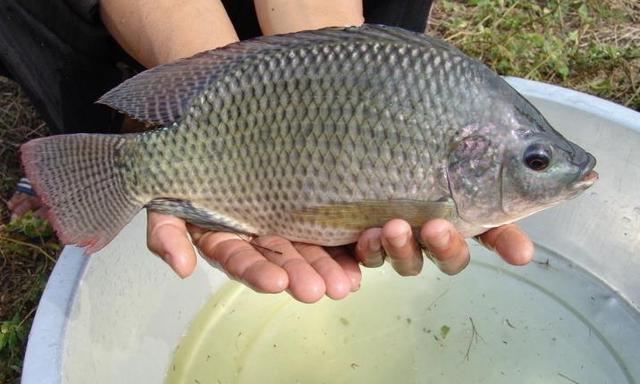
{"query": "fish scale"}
{"type": "Point", "coordinates": [314, 136]}
{"type": "Point", "coordinates": [339, 123]}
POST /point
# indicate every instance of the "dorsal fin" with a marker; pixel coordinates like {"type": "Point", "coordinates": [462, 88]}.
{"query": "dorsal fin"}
{"type": "Point", "coordinates": [162, 94]}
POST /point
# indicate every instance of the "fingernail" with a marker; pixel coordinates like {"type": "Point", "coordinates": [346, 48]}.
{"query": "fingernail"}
{"type": "Point", "coordinates": [195, 236]}
{"type": "Point", "coordinates": [440, 241]}
{"type": "Point", "coordinates": [373, 254]}
{"type": "Point", "coordinates": [399, 241]}
{"type": "Point", "coordinates": [374, 244]}
{"type": "Point", "coordinates": [172, 261]}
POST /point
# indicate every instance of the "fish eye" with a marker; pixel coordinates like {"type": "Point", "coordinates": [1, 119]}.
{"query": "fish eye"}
{"type": "Point", "coordinates": [537, 157]}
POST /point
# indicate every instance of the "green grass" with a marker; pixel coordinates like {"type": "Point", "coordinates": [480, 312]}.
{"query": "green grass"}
{"type": "Point", "coordinates": [592, 46]}
{"type": "Point", "coordinates": [27, 247]}
{"type": "Point", "coordinates": [27, 253]}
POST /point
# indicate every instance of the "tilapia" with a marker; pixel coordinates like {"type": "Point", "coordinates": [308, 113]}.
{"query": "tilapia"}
{"type": "Point", "coordinates": [313, 136]}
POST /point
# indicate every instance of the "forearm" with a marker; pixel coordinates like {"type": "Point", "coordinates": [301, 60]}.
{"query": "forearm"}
{"type": "Point", "coordinates": [160, 31]}
{"type": "Point", "coordinates": [284, 16]}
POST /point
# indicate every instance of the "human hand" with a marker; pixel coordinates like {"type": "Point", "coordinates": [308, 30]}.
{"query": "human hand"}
{"type": "Point", "coordinates": [447, 248]}
{"type": "Point", "coordinates": [307, 272]}
{"type": "Point", "coordinates": [21, 203]}
{"type": "Point", "coordinates": [272, 264]}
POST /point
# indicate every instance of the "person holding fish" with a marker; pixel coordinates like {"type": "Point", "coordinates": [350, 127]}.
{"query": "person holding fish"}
{"type": "Point", "coordinates": [153, 33]}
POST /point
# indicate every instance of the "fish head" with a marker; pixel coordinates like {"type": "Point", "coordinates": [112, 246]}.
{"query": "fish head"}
{"type": "Point", "coordinates": [541, 170]}
{"type": "Point", "coordinates": [512, 167]}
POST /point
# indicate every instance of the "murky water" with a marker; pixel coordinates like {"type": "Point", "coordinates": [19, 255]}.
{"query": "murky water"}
{"type": "Point", "coordinates": [549, 322]}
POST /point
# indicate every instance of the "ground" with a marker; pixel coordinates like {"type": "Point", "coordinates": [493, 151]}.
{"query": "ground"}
{"type": "Point", "coordinates": [592, 46]}
{"type": "Point", "coordinates": [27, 249]}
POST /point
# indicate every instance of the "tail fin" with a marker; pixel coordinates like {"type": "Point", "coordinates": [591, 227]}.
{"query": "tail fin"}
{"type": "Point", "coordinates": [78, 179]}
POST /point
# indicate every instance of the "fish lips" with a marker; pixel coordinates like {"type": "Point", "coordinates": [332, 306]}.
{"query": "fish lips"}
{"type": "Point", "coordinates": [587, 176]}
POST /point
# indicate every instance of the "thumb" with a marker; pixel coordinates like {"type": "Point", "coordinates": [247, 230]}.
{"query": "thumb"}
{"type": "Point", "coordinates": [168, 238]}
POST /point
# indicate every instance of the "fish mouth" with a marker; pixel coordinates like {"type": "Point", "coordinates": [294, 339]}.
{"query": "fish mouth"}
{"type": "Point", "coordinates": [588, 176]}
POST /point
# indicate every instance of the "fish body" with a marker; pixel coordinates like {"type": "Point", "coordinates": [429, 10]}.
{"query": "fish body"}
{"type": "Point", "coordinates": [313, 136]}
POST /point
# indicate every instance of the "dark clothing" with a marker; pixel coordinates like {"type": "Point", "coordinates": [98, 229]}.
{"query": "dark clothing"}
{"type": "Point", "coordinates": [63, 62]}
{"type": "Point", "coordinates": [65, 59]}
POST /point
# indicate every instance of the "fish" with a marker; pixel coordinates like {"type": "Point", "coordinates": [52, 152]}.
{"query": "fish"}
{"type": "Point", "coordinates": [314, 136]}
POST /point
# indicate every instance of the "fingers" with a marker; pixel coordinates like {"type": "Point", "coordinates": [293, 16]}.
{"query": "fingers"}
{"type": "Point", "coordinates": [337, 282]}
{"type": "Point", "coordinates": [308, 272]}
{"type": "Point", "coordinates": [16, 199]}
{"type": "Point", "coordinates": [272, 264]}
{"type": "Point", "coordinates": [368, 250]}
{"type": "Point", "coordinates": [21, 208]}
{"type": "Point", "coordinates": [447, 247]}
{"type": "Point", "coordinates": [242, 261]}
{"type": "Point", "coordinates": [305, 283]}
{"type": "Point", "coordinates": [20, 203]}
{"type": "Point", "coordinates": [513, 245]}
{"type": "Point", "coordinates": [403, 251]}
{"type": "Point", "coordinates": [349, 265]}
{"type": "Point", "coordinates": [167, 237]}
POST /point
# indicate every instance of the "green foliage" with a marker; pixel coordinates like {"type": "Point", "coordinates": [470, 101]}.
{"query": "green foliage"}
{"type": "Point", "coordinates": [13, 335]}
{"type": "Point", "coordinates": [591, 46]}
{"type": "Point", "coordinates": [27, 249]}
{"type": "Point", "coordinates": [31, 226]}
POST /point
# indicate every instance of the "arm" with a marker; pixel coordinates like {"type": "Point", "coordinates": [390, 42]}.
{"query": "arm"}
{"type": "Point", "coordinates": [156, 32]}
{"type": "Point", "coordinates": [285, 16]}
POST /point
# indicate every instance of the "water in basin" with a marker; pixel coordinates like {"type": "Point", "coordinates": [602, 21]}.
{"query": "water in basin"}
{"type": "Point", "coordinates": [549, 322]}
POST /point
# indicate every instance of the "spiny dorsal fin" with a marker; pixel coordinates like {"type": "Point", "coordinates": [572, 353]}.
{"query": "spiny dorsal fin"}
{"type": "Point", "coordinates": [162, 94]}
